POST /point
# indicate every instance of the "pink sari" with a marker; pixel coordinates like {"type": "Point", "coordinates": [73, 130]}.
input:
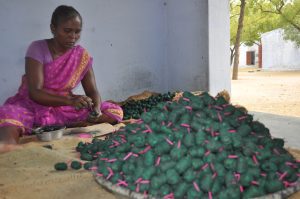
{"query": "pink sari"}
{"type": "Point", "coordinates": [60, 77]}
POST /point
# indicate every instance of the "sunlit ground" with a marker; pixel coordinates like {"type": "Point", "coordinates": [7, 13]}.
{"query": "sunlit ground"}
{"type": "Point", "coordinates": [276, 92]}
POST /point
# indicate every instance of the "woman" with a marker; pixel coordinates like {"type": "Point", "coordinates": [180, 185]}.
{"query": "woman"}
{"type": "Point", "coordinates": [54, 67]}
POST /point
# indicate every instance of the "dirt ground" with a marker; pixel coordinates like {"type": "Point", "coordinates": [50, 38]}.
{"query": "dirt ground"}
{"type": "Point", "coordinates": [276, 92]}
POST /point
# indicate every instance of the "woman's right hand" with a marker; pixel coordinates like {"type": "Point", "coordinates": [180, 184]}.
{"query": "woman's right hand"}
{"type": "Point", "coordinates": [81, 101]}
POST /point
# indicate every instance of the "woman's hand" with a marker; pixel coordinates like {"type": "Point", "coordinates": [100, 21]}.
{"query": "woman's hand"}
{"type": "Point", "coordinates": [81, 101]}
{"type": "Point", "coordinates": [94, 115]}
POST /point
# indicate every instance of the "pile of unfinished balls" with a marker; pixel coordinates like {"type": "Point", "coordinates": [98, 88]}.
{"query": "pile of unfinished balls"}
{"type": "Point", "coordinates": [196, 147]}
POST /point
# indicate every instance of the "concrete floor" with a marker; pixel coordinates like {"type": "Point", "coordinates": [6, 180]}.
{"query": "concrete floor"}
{"type": "Point", "coordinates": [280, 126]}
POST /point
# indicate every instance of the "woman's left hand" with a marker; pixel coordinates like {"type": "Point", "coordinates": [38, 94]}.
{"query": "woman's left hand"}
{"type": "Point", "coordinates": [94, 114]}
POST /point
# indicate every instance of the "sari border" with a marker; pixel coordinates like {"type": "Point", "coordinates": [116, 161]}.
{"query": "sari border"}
{"type": "Point", "coordinates": [114, 113]}
{"type": "Point", "coordinates": [83, 63]}
{"type": "Point", "coordinates": [11, 121]}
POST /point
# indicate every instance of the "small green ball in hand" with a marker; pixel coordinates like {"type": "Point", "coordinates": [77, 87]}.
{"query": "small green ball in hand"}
{"type": "Point", "coordinates": [94, 114]}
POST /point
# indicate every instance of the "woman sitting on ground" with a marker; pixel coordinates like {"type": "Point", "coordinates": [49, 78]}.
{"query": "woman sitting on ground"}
{"type": "Point", "coordinates": [54, 67]}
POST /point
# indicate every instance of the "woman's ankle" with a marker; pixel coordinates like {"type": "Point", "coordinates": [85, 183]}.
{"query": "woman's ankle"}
{"type": "Point", "coordinates": [9, 135]}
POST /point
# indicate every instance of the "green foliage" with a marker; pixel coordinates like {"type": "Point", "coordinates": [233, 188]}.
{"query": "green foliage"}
{"type": "Point", "coordinates": [256, 21]}
{"type": "Point", "coordinates": [288, 13]}
{"type": "Point", "coordinates": [292, 15]}
{"type": "Point", "coordinates": [292, 34]}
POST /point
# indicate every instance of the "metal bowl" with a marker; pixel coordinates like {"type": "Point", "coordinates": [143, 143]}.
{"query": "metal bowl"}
{"type": "Point", "coordinates": [48, 133]}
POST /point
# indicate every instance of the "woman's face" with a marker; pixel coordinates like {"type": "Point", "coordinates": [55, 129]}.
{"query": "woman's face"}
{"type": "Point", "coordinates": [67, 33]}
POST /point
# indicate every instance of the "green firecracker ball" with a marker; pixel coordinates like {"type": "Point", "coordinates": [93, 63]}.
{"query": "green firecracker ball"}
{"type": "Point", "coordinates": [149, 158]}
{"type": "Point", "coordinates": [181, 190]}
{"type": "Point", "coordinates": [220, 101]}
{"type": "Point", "coordinates": [189, 140]}
{"type": "Point", "coordinates": [229, 179]}
{"type": "Point", "coordinates": [86, 156]}
{"type": "Point", "coordinates": [76, 165]}
{"type": "Point", "coordinates": [246, 179]}
{"type": "Point", "coordinates": [183, 164]}
{"type": "Point", "coordinates": [277, 142]}
{"type": "Point", "coordinates": [193, 193]}
{"type": "Point", "coordinates": [230, 164]}
{"type": "Point", "coordinates": [172, 176]}
{"type": "Point", "coordinates": [165, 189]}
{"type": "Point", "coordinates": [206, 183]}
{"type": "Point", "coordinates": [234, 191]}
{"type": "Point", "coordinates": [244, 130]}
{"type": "Point", "coordinates": [217, 186]}
{"type": "Point", "coordinates": [87, 165]}
{"type": "Point", "coordinates": [242, 165]}
{"type": "Point", "coordinates": [220, 169]}
{"type": "Point", "coordinates": [177, 153]}
{"type": "Point", "coordinates": [197, 163]}
{"type": "Point", "coordinates": [61, 166]}
{"type": "Point", "coordinates": [148, 172]}
{"type": "Point", "coordinates": [116, 166]}
{"type": "Point", "coordinates": [146, 117]}
{"type": "Point", "coordinates": [162, 148]}
{"type": "Point", "coordinates": [200, 137]}
{"type": "Point", "coordinates": [158, 181]}
{"type": "Point", "coordinates": [167, 165]}
{"type": "Point", "coordinates": [189, 175]}
{"type": "Point", "coordinates": [252, 192]}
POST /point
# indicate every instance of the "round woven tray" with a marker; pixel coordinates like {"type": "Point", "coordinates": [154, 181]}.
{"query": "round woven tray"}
{"type": "Point", "coordinates": [122, 192]}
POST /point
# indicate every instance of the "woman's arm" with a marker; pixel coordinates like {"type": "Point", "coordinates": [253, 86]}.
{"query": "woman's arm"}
{"type": "Point", "coordinates": [90, 89]}
{"type": "Point", "coordinates": [35, 79]}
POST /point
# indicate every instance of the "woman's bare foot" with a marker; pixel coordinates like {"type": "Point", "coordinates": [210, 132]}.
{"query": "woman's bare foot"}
{"type": "Point", "coordinates": [9, 138]}
{"type": "Point", "coordinates": [9, 147]}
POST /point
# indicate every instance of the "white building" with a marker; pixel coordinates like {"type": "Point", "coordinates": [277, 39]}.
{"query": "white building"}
{"type": "Point", "coordinates": [249, 56]}
{"type": "Point", "coordinates": [279, 54]}
{"type": "Point", "coordinates": [275, 54]}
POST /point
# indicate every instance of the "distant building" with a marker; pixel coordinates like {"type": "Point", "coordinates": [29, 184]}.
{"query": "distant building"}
{"type": "Point", "coordinates": [274, 53]}
{"type": "Point", "coordinates": [279, 54]}
{"type": "Point", "coordinates": [250, 56]}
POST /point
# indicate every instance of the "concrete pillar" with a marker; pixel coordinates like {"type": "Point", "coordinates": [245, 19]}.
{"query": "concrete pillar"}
{"type": "Point", "coordinates": [219, 43]}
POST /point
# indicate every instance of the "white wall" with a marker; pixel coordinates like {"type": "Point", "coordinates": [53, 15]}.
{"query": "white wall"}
{"type": "Point", "coordinates": [219, 55]}
{"type": "Point", "coordinates": [279, 54]}
{"type": "Point", "coordinates": [124, 37]}
{"type": "Point", "coordinates": [187, 42]}
{"type": "Point", "coordinates": [156, 45]}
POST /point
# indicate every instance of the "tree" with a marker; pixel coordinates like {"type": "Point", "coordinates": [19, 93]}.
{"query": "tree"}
{"type": "Point", "coordinates": [292, 34]}
{"type": "Point", "coordinates": [289, 16]}
{"type": "Point", "coordinates": [234, 14]}
{"type": "Point", "coordinates": [255, 23]}
{"type": "Point", "coordinates": [237, 40]}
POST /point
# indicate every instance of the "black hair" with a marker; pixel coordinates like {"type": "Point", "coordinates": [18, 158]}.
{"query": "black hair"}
{"type": "Point", "coordinates": [63, 13]}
